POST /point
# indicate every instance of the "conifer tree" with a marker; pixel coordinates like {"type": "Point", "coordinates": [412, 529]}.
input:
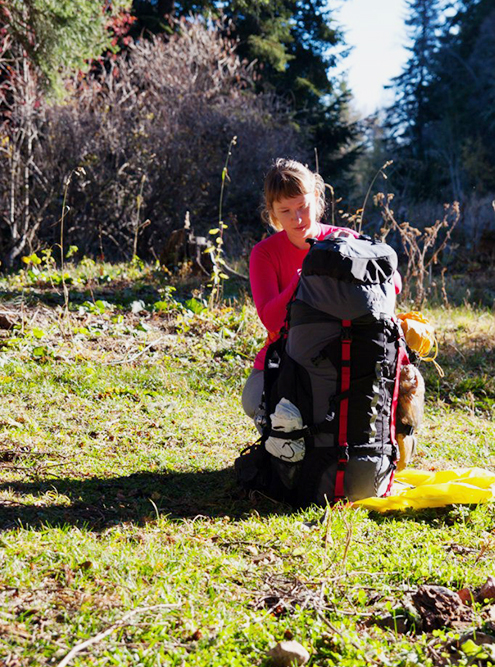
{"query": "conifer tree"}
{"type": "Point", "coordinates": [294, 45]}
{"type": "Point", "coordinates": [409, 116]}
{"type": "Point", "coordinates": [58, 37]}
{"type": "Point", "coordinates": [441, 128]}
{"type": "Point", "coordinates": [465, 92]}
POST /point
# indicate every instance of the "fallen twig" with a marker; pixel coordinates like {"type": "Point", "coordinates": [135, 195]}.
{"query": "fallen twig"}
{"type": "Point", "coordinates": [336, 631]}
{"type": "Point", "coordinates": [130, 359]}
{"type": "Point", "coordinates": [18, 453]}
{"type": "Point", "coordinates": [34, 316]}
{"type": "Point", "coordinates": [36, 470]}
{"type": "Point", "coordinates": [101, 635]}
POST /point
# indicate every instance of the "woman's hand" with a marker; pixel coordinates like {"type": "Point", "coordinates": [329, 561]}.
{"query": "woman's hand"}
{"type": "Point", "coordinates": [341, 233]}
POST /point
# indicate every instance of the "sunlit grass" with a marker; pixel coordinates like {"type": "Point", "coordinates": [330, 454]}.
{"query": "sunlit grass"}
{"type": "Point", "coordinates": [117, 493]}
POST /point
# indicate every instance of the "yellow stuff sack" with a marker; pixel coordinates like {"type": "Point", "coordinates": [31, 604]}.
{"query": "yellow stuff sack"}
{"type": "Point", "coordinates": [419, 334]}
{"type": "Point", "coordinates": [419, 489]}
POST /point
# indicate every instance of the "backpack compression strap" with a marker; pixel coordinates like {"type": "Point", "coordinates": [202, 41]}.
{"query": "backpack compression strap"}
{"type": "Point", "coordinates": [346, 339]}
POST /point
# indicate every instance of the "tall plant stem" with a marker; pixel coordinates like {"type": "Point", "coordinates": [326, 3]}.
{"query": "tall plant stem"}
{"type": "Point", "coordinates": [217, 250]}
{"type": "Point", "coordinates": [78, 171]}
{"type": "Point", "coordinates": [225, 174]}
{"type": "Point", "coordinates": [382, 172]}
{"type": "Point", "coordinates": [138, 226]}
{"type": "Point", "coordinates": [62, 255]}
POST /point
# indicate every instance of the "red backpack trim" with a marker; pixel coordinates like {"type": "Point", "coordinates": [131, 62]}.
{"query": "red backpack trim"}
{"type": "Point", "coordinates": [345, 384]}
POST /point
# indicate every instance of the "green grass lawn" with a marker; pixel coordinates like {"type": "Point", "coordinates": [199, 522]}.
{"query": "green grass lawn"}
{"type": "Point", "coordinates": [121, 523]}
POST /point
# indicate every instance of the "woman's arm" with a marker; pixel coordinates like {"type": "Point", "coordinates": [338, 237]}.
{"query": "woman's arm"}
{"type": "Point", "coordinates": [270, 302]}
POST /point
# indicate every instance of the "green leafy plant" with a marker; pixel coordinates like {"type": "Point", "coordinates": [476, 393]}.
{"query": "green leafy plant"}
{"type": "Point", "coordinates": [98, 307]}
{"type": "Point", "coordinates": [216, 251]}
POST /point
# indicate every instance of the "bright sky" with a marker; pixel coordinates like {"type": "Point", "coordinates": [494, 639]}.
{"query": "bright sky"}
{"type": "Point", "coordinates": [375, 29]}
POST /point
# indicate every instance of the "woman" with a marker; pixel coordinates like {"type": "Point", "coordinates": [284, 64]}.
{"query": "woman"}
{"type": "Point", "coordinates": [294, 202]}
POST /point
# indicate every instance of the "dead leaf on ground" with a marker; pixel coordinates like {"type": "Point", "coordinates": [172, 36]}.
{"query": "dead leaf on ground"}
{"type": "Point", "coordinates": [487, 591]}
{"type": "Point", "coordinates": [467, 595]}
{"type": "Point", "coordinates": [7, 320]}
{"type": "Point", "coordinates": [439, 607]}
{"type": "Point", "coordinates": [86, 565]}
{"type": "Point", "coordinates": [281, 595]}
{"type": "Point", "coordinates": [265, 557]}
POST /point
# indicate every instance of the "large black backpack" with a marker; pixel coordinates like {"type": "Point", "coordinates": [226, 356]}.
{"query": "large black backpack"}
{"type": "Point", "coordinates": [337, 361]}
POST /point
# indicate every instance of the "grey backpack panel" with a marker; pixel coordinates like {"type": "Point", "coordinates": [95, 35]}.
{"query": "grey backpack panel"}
{"type": "Point", "coordinates": [304, 343]}
{"type": "Point", "coordinates": [366, 476]}
{"type": "Point", "coordinates": [352, 259]}
{"type": "Point", "coordinates": [347, 301]}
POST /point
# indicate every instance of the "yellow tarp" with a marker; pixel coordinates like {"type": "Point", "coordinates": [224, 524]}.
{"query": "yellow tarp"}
{"type": "Point", "coordinates": [420, 488]}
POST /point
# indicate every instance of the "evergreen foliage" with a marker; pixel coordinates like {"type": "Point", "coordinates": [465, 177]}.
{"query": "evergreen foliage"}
{"type": "Point", "coordinates": [408, 120]}
{"type": "Point", "coordinates": [441, 126]}
{"type": "Point", "coordinates": [411, 113]}
{"type": "Point", "coordinates": [59, 37]}
{"type": "Point", "coordinates": [466, 83]}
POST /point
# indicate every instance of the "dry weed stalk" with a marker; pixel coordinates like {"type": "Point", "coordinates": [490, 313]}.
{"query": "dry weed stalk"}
{"type": "Point", "coordinates": [381, 171]}
{"type": "Point", "coordinates": [121, 623]}
{"type": "Point", "coordinates": [422, 248]}
{"type": "Point", "coordinates": [331, 546]}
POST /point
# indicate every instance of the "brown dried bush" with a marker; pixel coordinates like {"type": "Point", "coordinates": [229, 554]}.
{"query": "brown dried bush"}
{"type": "Point", "coordinates": [151, 132]}
{"type": "Point", "coordinates": [423, 247]}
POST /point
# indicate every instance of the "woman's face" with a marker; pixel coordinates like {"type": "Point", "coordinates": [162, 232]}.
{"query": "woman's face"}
{"type": "Point", "coordinates": [297, 216]}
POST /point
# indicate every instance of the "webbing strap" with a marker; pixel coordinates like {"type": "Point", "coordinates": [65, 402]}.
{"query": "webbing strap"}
{"type": "Point", "coordinates": [345, 384]}
{"type": "Point", "coordinates": [291, 435]}
{"type": "Point", "coordinates": [390, 484]}
{"type": "Point", "coordinates": [402, 359]}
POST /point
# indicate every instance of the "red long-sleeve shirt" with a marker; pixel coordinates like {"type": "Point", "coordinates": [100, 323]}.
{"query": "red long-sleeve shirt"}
{"type": "Point", "coordinates": [274, 268]}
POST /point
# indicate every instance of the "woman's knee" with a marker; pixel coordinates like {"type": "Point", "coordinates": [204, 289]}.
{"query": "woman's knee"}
{"type": "Point", "coordinates": [252, 393]}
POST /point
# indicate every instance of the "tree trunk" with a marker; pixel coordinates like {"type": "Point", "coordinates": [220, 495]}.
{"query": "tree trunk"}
{"type": "Point", "coordinates": [165, 7]}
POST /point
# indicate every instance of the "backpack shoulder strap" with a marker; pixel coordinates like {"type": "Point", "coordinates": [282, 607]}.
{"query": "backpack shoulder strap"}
{"type": "Point", "coordinates": [345, 383]}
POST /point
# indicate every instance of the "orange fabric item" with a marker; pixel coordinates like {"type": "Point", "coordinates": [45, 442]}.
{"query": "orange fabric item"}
{"type": "Point", "coordinates": [419, 333]}
{"type": "Point", "coordinates": [420, 336]}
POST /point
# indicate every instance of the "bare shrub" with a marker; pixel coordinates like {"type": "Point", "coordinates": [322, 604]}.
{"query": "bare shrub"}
{"type": "Point", "coordinates": [25, 192]}
{"type": "Point", "coordinates": [151, 133]}
{"type": "Point", "coordinates": [423, 248]}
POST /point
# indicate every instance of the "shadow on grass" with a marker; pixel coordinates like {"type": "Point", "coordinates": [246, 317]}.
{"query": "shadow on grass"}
{"type": "Point", "coordinates": [96, 504]}
{"type": "Point", "coordinates": [117, 295]}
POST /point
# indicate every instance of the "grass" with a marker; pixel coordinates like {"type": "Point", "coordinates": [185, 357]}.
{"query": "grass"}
{"type": "Point", "coordinates": [120, 520]}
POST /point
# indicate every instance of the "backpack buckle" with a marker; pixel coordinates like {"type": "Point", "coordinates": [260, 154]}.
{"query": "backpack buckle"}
{"type": "Point", "coordinates": [343, 459]}
{"type": "Point", "coordinates": [317, 359]}
{"type": "Point", "coordinates": [346, 335]}
{"type": "Point", "coordinates": [274, 361]}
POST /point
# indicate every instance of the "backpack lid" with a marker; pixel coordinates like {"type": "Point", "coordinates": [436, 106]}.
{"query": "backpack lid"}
{"type": "Point", "coordinates": [355, 260]}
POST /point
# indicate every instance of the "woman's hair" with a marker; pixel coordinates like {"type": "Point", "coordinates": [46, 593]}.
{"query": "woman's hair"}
{"type": "Point", "coordinates": [289, 178]}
